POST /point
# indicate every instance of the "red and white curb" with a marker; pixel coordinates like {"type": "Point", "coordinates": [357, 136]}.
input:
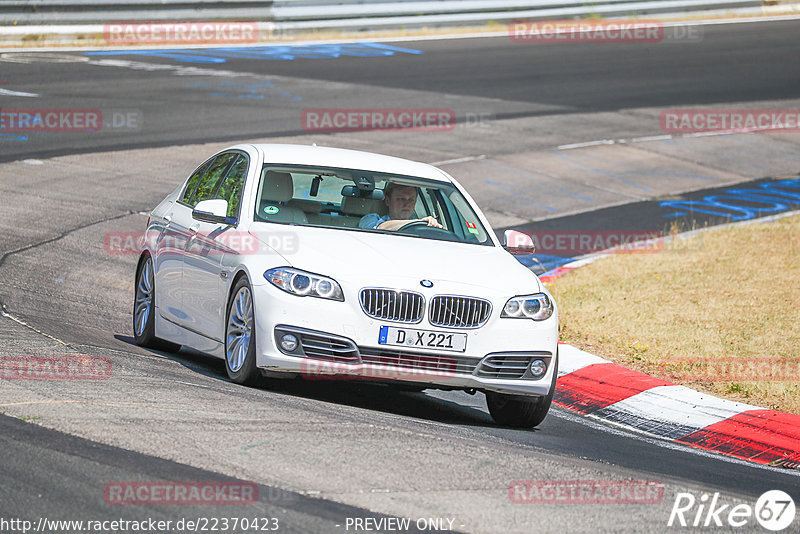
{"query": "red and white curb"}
{"type": "Point", "coordinates": [598, 388]}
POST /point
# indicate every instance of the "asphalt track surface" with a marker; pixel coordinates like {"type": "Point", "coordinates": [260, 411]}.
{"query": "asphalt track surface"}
{"type": "Point", "coordinates": [730, 64]}
{"type": "Point", "coordinates": [320, 453]}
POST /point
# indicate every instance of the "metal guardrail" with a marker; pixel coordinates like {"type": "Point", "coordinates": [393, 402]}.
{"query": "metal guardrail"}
{"type": "Point", "coordinates": [378, 14]}
{"type": "Point", "coordinates": [290, 15]}
{"type": "Point", "coordinates": [286, 10]}
{"type": "Point", "coordinates": [58, 12]}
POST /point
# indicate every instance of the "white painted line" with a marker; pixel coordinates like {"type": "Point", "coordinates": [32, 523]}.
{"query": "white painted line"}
{"type": "Point", "coordinates": [740, 131]}
{"type": "Point", "coordinates": [665, 137]}
{"type": "Point", "coordinates": [572, 358]}
{"type": "Point", "coordinates": [459, 160]}
{"type": "Point", "coordinates": [707, 134]}
{"type": "Point", "coordinates": [584, 261]}
{"type": "Point", "coordinates": [588, 143]}
{"type": "Point", "coordinates": [178, 70]}
{"type": "Point", "coordinates": [4, 313]}
{"type": "Point", "coordinates": [8, 92]}
{"type": "Point", "coordinates": [25, 56]}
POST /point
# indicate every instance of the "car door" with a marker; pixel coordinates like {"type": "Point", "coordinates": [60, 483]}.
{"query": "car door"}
{"type": "Point", "coordinates": [203, 298]}
{"type": "Point", "coordinates": [170, 244]}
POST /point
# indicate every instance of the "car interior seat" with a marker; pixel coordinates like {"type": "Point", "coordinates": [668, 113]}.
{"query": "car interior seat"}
{"type": "Point", "coordinates": [363, 206]}
{"type": "Point", "coordinates": [277, 189]}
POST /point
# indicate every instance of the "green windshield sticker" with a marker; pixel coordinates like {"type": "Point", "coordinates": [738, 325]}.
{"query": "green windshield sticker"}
{"type": "Point", "coordinates": [271, 210]}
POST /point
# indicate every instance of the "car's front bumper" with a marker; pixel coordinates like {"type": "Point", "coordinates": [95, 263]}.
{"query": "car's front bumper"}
{"type": "Point", "coordinates": [345, 346]}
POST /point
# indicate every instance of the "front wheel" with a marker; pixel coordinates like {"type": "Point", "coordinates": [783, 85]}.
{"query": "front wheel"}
{"type": "Point", "coordinates": [240, 336]}
{"type": "Point", "coordinates": [521, 412]}
{"type": "Point", "coordinates": [144, 310]}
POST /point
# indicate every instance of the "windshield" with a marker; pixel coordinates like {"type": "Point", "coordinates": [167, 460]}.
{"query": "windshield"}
{"type": "Point", "coordinates": [367, 202]}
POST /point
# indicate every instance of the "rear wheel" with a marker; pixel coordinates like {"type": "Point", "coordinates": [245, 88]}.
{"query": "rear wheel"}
{"type": "Point", "coordinates": [144, 310]}
{"type": "Point", "coordinates": [518, 411]}
{"type": "Point", "coordinates": [240, 336]}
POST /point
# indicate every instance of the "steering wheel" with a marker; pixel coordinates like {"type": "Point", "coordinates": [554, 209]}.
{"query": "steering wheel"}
{"type": "Point", "coordinates": [412, 224]}
{"type": "Point", "coordinates": [421, 229]}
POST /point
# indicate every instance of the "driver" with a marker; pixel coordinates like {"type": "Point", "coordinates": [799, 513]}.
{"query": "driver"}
{"type": "Point", "coordinates": [400, 199]}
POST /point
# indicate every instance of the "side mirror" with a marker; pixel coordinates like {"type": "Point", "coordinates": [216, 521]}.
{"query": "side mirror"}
{"type": "Point", "coordinates": [213, 211]}
{"type": "Point", "coordinates": [518, 243]}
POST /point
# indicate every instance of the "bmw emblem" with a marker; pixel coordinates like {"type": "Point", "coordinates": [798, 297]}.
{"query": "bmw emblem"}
{"type": "Point", "coordinates": [426, 283]}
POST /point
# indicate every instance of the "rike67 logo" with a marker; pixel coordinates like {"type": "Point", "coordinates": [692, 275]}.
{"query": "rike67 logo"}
{"type": "Point", "coordinates": [774, 510]}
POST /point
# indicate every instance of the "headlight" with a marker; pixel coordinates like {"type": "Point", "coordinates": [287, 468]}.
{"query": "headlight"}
{"type": "Point", "coordinates": [304, 284]}
{"type": "Point", "coordinates": [537, 307]}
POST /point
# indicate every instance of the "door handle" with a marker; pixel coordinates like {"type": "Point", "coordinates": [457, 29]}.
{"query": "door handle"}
{"type": "Point", "coordinates": [193, 229]}
{"type": "Point", "coordinates": [165, 227]}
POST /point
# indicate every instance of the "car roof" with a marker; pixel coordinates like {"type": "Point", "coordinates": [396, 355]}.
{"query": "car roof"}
{"type": "Point", "coordinates": [347, 159]}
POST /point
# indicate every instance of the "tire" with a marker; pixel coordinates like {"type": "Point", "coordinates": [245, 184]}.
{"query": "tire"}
{"type": "Point", "coordinates": [144, 309]}
{"type": "Point", "coordinates": [518, 411]}
{"type": "Point", "coordinates": [240, 336]}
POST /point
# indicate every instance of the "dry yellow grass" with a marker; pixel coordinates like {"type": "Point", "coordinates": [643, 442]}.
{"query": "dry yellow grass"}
{"type": "Point", "coordinates": [718, 313]}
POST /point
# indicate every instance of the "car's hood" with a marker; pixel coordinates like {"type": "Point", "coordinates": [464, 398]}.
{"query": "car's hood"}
{"type": "Point", "coordinates": [369, 258]}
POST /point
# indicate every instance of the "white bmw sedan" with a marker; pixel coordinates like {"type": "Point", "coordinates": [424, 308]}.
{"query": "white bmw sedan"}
{"type": "Point", "coordinates": [321, 263]}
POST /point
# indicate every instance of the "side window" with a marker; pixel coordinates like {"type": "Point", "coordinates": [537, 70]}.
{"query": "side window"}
{"type": "Point", "coordinates": [466, 222]}
{"type": "Point", "coordinates": [428, 198]}
{"type": "Point", "coordinates": [421, 207]}
{"type": "Point", "coordinates": [191, 184]}
{"type": "Point", "coordinates": [233, 185]}
{"type": "Point", "coordinates": [211, 179]}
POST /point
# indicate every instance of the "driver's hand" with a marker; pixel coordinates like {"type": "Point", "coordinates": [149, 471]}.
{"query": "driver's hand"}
{"type": "Point", "coordinates": [431, 220]}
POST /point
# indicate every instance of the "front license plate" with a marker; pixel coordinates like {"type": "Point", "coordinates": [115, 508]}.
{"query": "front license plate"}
{"type": "Point", "coordinates": [426, 339]}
